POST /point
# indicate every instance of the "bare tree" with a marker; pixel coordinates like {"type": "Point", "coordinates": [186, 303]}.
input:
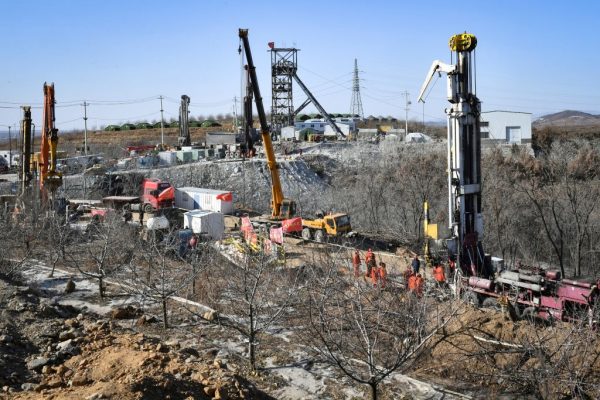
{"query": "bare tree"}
{"type": "Point", "coordinates": [163, 267]}
{"type": "Point", "coordinates": [255, 295]}
{"type": "Point", "coordinates": [365, 332]}
{"type": "Point", "coordinates": [109, 250]}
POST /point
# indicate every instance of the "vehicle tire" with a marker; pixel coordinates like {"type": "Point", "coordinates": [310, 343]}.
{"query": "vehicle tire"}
{"type": "Point", "coordinates": [306, 234]}
{"type": "Point", "coordinates": [148, 208]}
{"type": "Point", "coordinates": [471, 298]}
{"type": "Point", "coordinates": [319, 236]}
{"type": "Point", "coordinates": [491, 303]}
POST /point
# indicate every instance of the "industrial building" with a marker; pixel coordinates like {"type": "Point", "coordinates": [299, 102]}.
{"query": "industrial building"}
{"type": "Point", "coordinates": [506, 126]}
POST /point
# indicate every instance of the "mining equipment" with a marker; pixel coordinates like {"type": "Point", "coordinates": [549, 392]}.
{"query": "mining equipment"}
{"type": "Point", "coordinates": [184, 138]}
{"type": "Point", "coordinates": [26, 149]}
{"type": "Point", "coordinates": [281, 207]}
{"type": "Point", "coordinates": [50, 179]}
{"type": "Point", "coordinates": [479, 278]}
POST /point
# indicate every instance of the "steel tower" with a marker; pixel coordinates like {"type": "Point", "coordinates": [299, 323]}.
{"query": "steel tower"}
{"type": "Point", "coordinates": [284, 62]}
{"type": "Point", "coordinates": [356, 107]}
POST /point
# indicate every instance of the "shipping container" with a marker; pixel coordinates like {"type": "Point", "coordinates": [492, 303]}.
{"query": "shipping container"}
{"type": "Point", "coordinates": [208, 224]}
{"type": "Point", "coordinates": [167, 157]}
{"type": "Point", "coordinates": [191, 198]}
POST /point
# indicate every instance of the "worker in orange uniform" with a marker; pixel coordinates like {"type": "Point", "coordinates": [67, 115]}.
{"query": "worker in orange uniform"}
{"type": "Point", "coordinates": [356, 263]}
{"type": "Point", "coordinates": [419, 284]}
{"type": "Point", "coordinates": [382, 272]}
{"type": "Point", "coordinates": [439, 274]}
{"type": "Point", "coordinates": [374, 276]}
{"type": "Point", "coordinates": [370, 261]}
{"type": "Point", "coordinates": [406, 275]}
{"type": "Point", "coordinates": [412, 281]}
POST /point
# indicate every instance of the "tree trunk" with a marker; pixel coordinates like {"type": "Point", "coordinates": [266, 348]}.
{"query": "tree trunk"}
{"type": "Point", "coordinates": [251, 351]}
{"type": "Point", "coordinates": [164, 307]}
{"type": "Point", "coordinates": [101, 287]}
{"type": "Point", "coordinates": [373, 386]}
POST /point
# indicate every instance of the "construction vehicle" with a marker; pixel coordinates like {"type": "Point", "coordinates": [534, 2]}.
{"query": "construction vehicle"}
{"type": "Point", "coordinates": [479, 278]}
{"type": "Point", "coordinates": [155, 195]}
{"type": "Point", "coordinates": [26, 149]}
{"type": "Point", "coordinates": [330, 225]}
{"type": "Point", "coordinates": [50, 179]}
{"type": "Point", "coordinates": [184, 138]}
{"type": "Point", "coordinates": [282, 208]}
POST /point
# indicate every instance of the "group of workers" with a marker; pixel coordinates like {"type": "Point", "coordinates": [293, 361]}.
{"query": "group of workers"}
{"type": "Point", "coordinates": [412, 277]}
{"type": "Point", "coordinates": [377, 273]}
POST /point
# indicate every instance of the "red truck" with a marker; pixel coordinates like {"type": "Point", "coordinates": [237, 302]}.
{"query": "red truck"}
{"type": "Point", "coordinates": [156, 195]}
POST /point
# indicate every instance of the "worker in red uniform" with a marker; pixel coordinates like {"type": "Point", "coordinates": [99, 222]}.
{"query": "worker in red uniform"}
{"type": "Point", "coordinates": [419, 284]}
{"type": "Point", "coordinates": [382, 272]}
{"type": "Point", "coordinates": [370, 261]}
{"type": "Point", "coordinates": [439, 274]}
{"type": "Point", "coordinates": [356, 263]}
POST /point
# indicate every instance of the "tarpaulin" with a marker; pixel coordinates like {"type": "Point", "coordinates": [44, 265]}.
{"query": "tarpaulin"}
{"type": "Point", "coordinates": [225, 196]}
{"type": "Point", "coordinates": [276, 235]}
{"type": "Point", "coordinates": [292, 225]}
{"type": "Point", "coordinates": [167, 194]}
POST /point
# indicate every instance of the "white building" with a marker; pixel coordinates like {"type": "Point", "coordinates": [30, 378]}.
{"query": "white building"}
{"type": "Point", "coordinates": [320, 125]}
{"type": "Point", "coordinates": [506, 126]}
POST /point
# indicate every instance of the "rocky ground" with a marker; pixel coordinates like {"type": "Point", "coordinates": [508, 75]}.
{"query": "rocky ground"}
{"type": "Point", "coordinates": [52, 351]}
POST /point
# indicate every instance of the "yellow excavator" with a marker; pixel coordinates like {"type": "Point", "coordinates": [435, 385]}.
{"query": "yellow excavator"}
{"type": "Point", "coordinates": [281, 207]}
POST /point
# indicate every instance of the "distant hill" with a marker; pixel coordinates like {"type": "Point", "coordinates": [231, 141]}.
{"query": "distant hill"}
{"type": "Point", "coordinates": [567, 118]}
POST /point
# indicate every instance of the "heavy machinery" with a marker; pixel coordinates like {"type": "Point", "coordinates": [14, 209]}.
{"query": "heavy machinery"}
{"type": "Point", "coordinates": [479, 278]}
{"type": "Point", "coordinates": [50, 179]}
{"type": "Point", "coordinates": [184, 138]}
{"type": "Point", "coordinates": [26, 148]}
{"type": "Point", "coordinates": [282, 208]}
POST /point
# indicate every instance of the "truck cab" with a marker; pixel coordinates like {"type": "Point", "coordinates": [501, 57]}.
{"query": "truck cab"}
{"type": "Point", "coordinates": [157, 194]}
{"type": "Point", "coordinates": [331, 225]}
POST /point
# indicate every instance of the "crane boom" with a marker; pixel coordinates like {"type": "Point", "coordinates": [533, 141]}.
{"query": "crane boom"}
{"type": "Point", "coordinates": [280, 207]}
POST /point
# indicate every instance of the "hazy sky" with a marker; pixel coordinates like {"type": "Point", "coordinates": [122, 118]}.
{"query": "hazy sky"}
{"type": "Point", "coordinates": [533, 56]}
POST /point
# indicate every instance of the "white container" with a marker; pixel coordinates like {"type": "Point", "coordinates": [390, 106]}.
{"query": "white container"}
{"type": "Point", "coordinates": [191, 198]}
{"type": "Point", "coordinates": [167, 157]}
{"type": "Point", "coordinates": [206, 223]}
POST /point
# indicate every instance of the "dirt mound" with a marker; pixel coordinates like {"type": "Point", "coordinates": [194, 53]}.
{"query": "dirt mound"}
{"type": "Point", "coordinates": [133, 366]}
{"type": "Point", "coordinates": [50, 351]}
{"type": "Point", "coordinates": [483, 348]}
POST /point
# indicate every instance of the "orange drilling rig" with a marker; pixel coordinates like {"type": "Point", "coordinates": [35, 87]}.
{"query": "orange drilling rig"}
{"type": "Point", "coordinates": [50, 179]}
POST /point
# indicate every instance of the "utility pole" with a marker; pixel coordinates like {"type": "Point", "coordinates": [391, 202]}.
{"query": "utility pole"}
{"type": "Point", "coordinates": [85, 146]}
{"type": "Point", "coordinates": [406, 104]}
{"type": "Point", "coordinates": [162, 124]}
{"type": "Point", "coordinates": [9, 148]}
{"type": "Point", "coordinates": [235, 120]}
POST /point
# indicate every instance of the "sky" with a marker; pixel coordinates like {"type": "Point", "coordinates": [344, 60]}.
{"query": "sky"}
{"type": "Point", "coordinates": [120, 56]}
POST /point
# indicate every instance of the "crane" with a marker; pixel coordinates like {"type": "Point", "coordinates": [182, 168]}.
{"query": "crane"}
{"type": "Point", "coordinates": [464, 158]}
{"type": "Point", "coordinates": [50, 179]}
{"type": "Point", "coordinates": [281, 208]}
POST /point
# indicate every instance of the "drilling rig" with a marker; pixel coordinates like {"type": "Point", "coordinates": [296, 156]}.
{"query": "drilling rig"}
{"type": "Point", "coordinates": [464, 158]}
{"type": "Point", "coordinates": [532, 291]}
{"type": "Point", "coordinates": [25, 149]}
{"type": "Point", "coordinates": [50, 179]}
{"type": "Point", "coordinates": [184, 138]}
